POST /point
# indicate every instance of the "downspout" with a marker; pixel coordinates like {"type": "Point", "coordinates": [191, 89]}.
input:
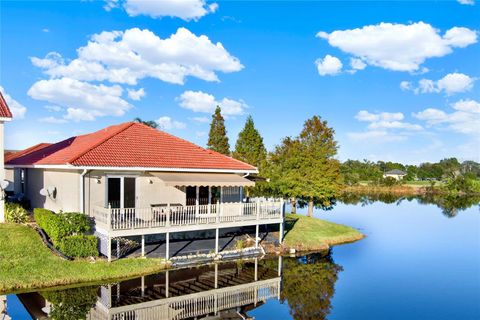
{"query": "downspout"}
{"type": "Point", "coordinates": [82, 190]}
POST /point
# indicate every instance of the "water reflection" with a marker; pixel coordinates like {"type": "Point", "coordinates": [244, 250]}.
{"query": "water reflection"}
{"type": "Point", "coordinates": [450, 205]}
{"type": "Point", "coordinates": [221, 291]}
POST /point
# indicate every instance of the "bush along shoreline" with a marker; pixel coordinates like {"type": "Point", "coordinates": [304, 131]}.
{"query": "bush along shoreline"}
{"type": "Point", "coordinates": [68, 232]}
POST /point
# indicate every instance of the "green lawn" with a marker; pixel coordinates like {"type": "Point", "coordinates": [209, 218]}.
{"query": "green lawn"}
{"type": "Point", "coordinates": [26, 263]}
{"type": "Point", "coordinates": [310, 234]}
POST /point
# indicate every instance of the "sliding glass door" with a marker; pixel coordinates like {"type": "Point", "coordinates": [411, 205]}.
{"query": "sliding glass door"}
{"type": "Point", "coordinates": [121, 192]}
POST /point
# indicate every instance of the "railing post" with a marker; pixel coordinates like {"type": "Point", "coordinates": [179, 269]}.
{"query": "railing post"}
{"type": "Point", "coordinates": [167, 222]}
{"type": "Point", "coordinates": [258, 210]}
{"type": "Point", "coordinates": [109, 217]}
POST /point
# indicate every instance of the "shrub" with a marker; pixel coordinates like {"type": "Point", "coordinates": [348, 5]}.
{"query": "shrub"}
{"type": "Point", "coordinates": [78, 223]}
{"type": "Point", "coordinates": [71, 304]}
{"type": "Point", "coordinates": [78, 246]}
{"type": "Point", "coordinates": [15, 213]}
{"type": "Point", "coordinates": [61, 225]}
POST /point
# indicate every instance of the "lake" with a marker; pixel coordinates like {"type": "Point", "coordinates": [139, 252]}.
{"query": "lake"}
{"type": "Point", "coordinates": [420, 260]}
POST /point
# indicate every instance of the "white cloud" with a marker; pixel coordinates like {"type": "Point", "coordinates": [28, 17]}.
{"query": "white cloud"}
{"type": "Point", "coordinates": [53, 120]}
{"type": "Point", "coordinates": [18, 110]}
{"type": "Point", "coordinates": [136, 94]}
{"type": "Point", "coordinates": [357, 64]}
{"type": "Point", "coordinates": [130, 55]}
{"type": "Point", "coordinates": [399, 47]}
{"type": "Point", "coordinates": [364, 115]}
{"type": "Point", "coordinates": [46, 30]}
{"type": "Point", "coordinates": [201, 119]}
{"type": "Point", "coordinates": [383, 127]}
{"type": "Point", "coordinates": [467, 2]}
{"type": "Point", "coordinates": [405, 85]}
{"type": "Point", "coordinates": [465, 119]}
{"type": "Point", "coordinates": [455, 82]}
{"type": "Point", "coordinates": [329, 65]}
{"type": "Point", "coordinates": [83, 101]}
{"type": "Point", "coordinates": [199, 101]}
{"type": "Point", "coordinates": [450, 84]}
{"type": "Point", "coordinates": [167, 123]}
{"type": "Point", "coordinates": [184, 9]}
{"type": "Point", "coordinates": [53, 108]}
{"type": "Point", "coordinates": [200, 134]}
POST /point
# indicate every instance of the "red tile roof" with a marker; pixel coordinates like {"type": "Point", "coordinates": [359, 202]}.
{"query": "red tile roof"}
{"type": "Point", "coordinates": [128, 144]}
{"type": "Point", "coordinates": [4, 110]}
{"type": "Point", "coordinates": [8, 156]}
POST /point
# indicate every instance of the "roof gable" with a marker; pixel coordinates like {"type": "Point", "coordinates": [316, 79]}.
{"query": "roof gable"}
{"type": "Point", "coordinates": [129, 144]}
{"type": "Point", "coordinates": [4, 109]}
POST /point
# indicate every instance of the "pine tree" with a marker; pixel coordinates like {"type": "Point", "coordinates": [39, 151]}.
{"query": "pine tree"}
{"type": "Point", "coordinates": [249, 147]}
{"type": "Point", "coordinates": [217, 137]}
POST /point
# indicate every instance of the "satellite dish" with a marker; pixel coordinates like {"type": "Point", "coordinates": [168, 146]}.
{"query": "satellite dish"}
{"type": "Point", "coordinates": [4, 184]}
{"type": "Point", "coordinates": [50, 192]}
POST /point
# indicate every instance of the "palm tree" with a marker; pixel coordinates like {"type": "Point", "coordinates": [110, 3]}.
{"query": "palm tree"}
{"type": "Point", "coordinates": [150, 123]}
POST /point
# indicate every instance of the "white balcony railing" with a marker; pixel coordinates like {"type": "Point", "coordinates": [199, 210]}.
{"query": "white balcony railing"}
{"type": "Point", "coordinates": [166, 216]}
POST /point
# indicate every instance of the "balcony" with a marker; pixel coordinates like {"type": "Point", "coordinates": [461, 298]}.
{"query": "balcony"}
{"type": "Point", "coordinates": [178, 218]}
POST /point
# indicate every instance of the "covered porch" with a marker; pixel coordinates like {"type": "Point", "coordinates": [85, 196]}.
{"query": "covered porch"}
{"type": "Point", "coordinates": [166, 202]}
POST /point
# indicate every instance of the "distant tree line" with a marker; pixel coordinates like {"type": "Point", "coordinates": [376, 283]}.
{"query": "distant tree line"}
{"type": "Point", "coordinates": [354, 171]}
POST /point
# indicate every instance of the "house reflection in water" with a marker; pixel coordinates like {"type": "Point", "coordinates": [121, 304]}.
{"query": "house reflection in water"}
{"type": "Point", "coordinates": [218, 291]}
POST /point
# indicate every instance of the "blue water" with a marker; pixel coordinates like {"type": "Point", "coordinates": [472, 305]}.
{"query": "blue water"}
{"type": "Point", "coordinates": [417, 262]}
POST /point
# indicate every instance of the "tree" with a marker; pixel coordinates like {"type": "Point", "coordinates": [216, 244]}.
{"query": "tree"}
{"type": "Point", "coordinates": [217, 137]}
{"type": "Point", "coordinates": [249, 147]}
{"type": "Point", "coordinates": [149, 123]}
{"type": "Point", "coordinates": [305, 168]}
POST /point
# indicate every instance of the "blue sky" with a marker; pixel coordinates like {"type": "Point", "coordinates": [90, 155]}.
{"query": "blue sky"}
{"type": "Point", "coordinates": [396, 80]}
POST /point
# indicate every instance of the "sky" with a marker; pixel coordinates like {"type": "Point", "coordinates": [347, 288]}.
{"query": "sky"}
{"type": "Point", "coordinates": [398, 81]}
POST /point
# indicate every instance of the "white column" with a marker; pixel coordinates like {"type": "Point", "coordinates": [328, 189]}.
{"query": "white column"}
{"type": "Point", "coordinates": [280, 263]}
{"type": "Point", "coordinates": [167, 244]}
{"type": "Point", "coordinates": [166, 283]}
{"type": "Point", "coordinates": [256, 269]}
{"type": "Point", "coordinates": [257, 227]}
{"type": "Point", "coordinates": [118, 248]}
{"type": "Point", "coordinates": [109, 249]}
{"type": "Point", "coordinates": [143, 286]}
{"type": "Point", "coordinates": [280, 233]}
{"type": "Point", "coordinates": [143, 245]}
{"type": "Point", "coordinates": [216, 275]}
{"type": "Point", "coordinates": [209, 199]}
{"type": "Point", "coordinates": [197, 200]}
{"type": "Point", "coordinates": [216, 240]}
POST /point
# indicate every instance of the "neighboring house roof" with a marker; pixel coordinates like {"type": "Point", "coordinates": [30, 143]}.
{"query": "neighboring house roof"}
{"type": "Point", "coordinates": [396, 172]}
{"type": "Point", "coordinates": [4, 109]}
{"type": "Point", "coordinates": [129, 144]}
{"type": "Point", "coordinates": [14, 154]}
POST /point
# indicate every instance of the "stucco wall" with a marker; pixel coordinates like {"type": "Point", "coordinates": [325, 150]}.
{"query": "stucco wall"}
{"type": "Point", "coordinates": [149, 190]}
{"type": "Point", "coordinates": [65, 182]}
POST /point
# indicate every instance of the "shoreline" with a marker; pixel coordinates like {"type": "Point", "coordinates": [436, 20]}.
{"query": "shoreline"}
{"type": "Point", "coordinates": [34, 267]}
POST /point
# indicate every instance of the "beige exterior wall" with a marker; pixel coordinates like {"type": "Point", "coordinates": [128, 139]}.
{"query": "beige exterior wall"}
{"type": "Point", "coordinates": [149, 190]}
{"type": "Point", "coordinates": [66, 182]}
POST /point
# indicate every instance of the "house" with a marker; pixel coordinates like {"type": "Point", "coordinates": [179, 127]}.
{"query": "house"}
{"type": "Point", "coordinates": [137, 181]}
{"type": "Point", "coordinates": [5, 115]}
{"type": "Point", "coordinates": [396, 174]}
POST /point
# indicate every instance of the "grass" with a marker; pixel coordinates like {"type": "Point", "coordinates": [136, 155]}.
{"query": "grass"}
{"type": "Point", "coordinates": [311, 234]}
{"type": "Point", "coordinates": [26, 263]}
